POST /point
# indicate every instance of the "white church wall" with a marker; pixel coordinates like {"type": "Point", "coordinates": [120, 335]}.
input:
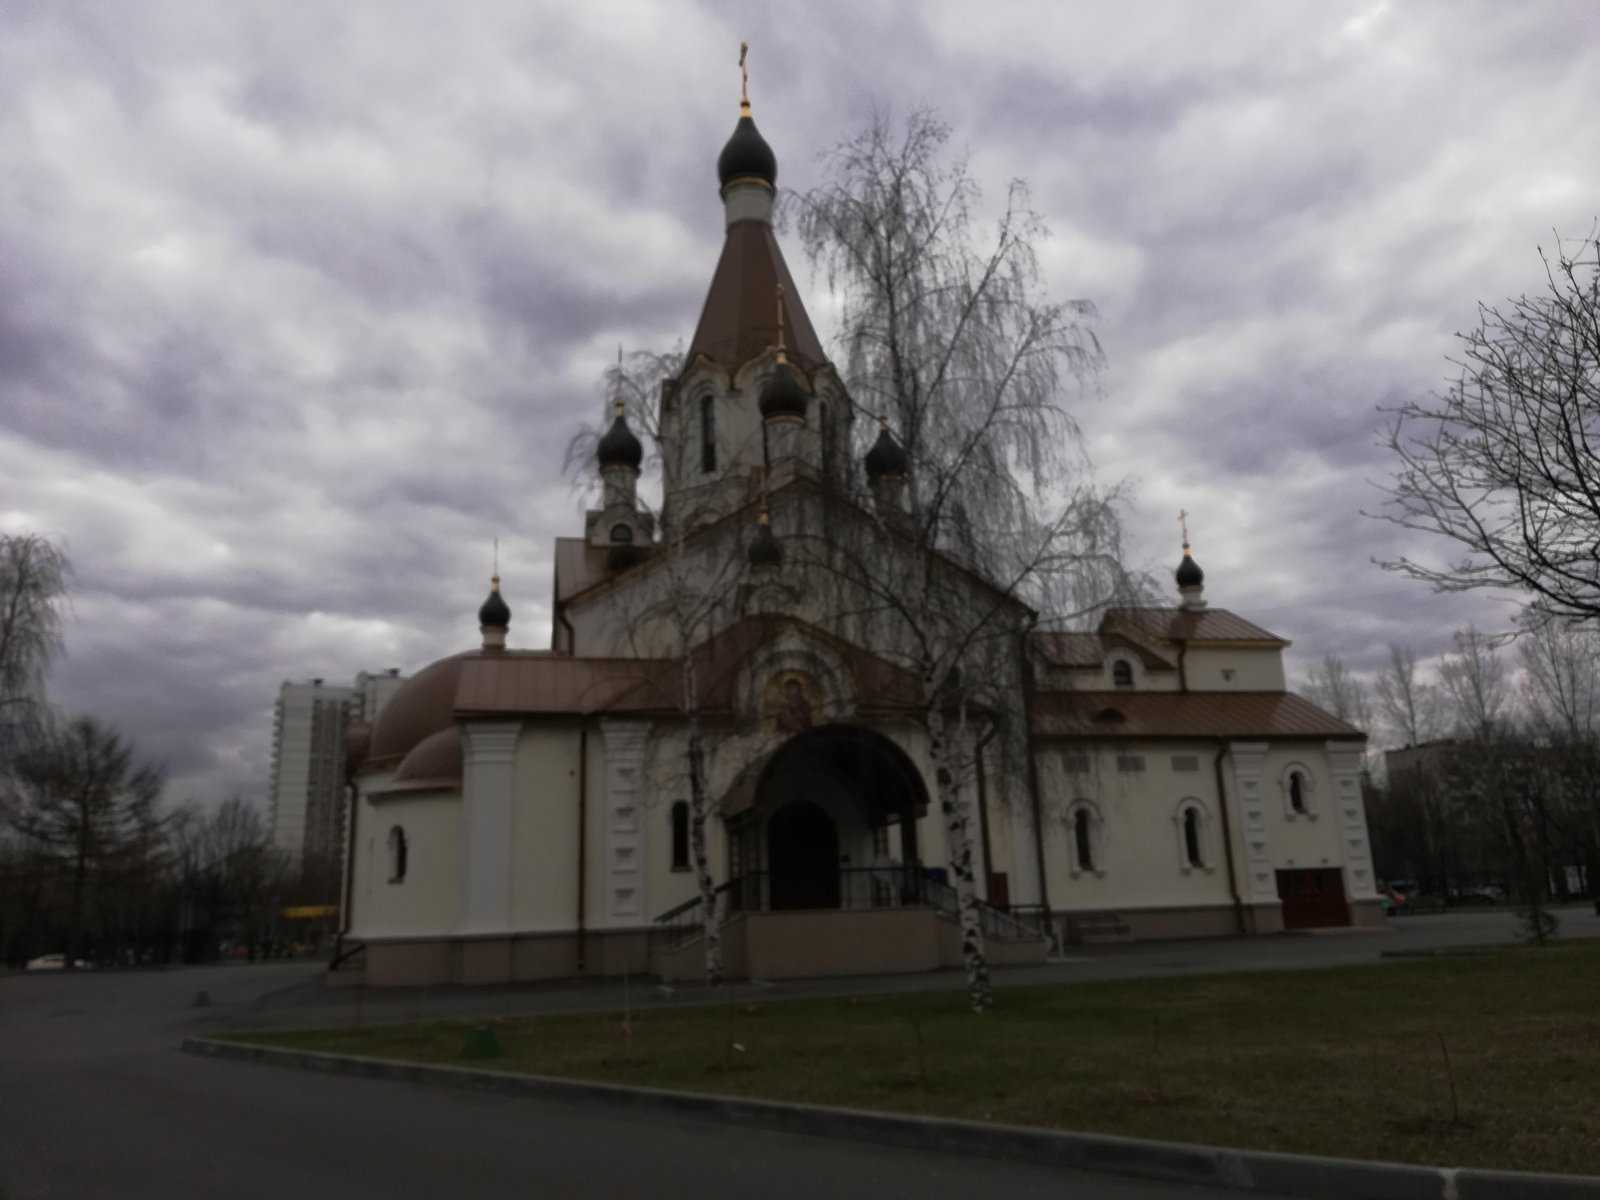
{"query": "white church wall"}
{"type": "Point", "coordinates": [544, 876]}
{"type": "Point", "coordinates": [1235, 670]}
{"type": "Point", "coordinates": [426, 901]}
{"type": "Point", "coordinates": [1138, 852]}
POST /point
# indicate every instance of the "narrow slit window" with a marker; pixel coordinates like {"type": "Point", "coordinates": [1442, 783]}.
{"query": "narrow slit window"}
{"type": "Point", "coordinates": [398, 851]}
{"type": "Point", "coordinates": [708, 434]}
{"type": "Point", "coordinates": [1081, 836]}
{"type": "Point", "coordinates": [680, 836]}
{"type": "Point", "coordinates": [1297, 793]}
{"type": "Point", "coordinates": [1191, 837]}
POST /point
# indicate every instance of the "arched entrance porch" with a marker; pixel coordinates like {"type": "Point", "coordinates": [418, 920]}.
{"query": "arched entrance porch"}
{"type": "Point", "coordinates": [829, 821]}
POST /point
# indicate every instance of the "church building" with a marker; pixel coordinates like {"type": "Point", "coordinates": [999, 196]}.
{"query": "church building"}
{"type": "Point", "coordinates": [525, 814]}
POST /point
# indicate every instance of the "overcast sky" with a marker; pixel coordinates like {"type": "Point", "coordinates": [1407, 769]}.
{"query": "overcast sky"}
{"type": "Point", "coordinates": [300, 303]}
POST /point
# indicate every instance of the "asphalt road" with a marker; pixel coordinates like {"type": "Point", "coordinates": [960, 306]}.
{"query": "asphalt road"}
{"type": "Point", "coordinates": [96, 1100]}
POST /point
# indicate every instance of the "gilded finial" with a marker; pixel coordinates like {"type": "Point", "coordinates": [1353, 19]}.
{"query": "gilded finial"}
{"type": "Point", "coordinates": [1183, 521]}
{"type": "Point", "coordinates": [883, 422]}
{"type": "Point", "coordinates": [617, 399]}
{"type": "Point", "coordinates": [496, 576]}
{"type": "Point", "coordinates": [744, 81]}
{"type": "Point", "coordinates": [765, 518]}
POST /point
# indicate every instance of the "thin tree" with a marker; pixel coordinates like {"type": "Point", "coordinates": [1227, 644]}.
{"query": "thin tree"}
{"type": "Point", "coordinates": [79, 795]}
{"type": "Point", "coordinates": [1335, 687]}
{"type": "Point", "coordinates": [1504, 464]}
{"type": "Point", "coordinates": [948, 339]}
{"type": "Point", "coordinates": [1408, 706]}
{"type": "Point", "coordinates": [33, 586]}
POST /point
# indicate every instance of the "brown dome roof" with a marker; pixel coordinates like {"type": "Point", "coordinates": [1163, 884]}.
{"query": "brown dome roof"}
{"type": "Point", "coordinates": [424, 705]}
{"type": "Point", "coordinates": [357, 741]}
{"type": "Point", "coordinates": [435, 757]}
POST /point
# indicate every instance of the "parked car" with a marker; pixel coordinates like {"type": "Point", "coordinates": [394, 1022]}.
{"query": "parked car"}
{"type": "Point", "coordinates": [55, 962]}
{"type": "Point", "coordinates": [1487, 893]}
{"type": "Point", "coordinates": [1392, 900]}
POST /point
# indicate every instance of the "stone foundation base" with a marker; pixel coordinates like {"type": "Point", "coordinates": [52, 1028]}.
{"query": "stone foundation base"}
{"type": "Point", "coordinates": [516, 958]}
{"type": "Point", "coordinates": [1162, 924]}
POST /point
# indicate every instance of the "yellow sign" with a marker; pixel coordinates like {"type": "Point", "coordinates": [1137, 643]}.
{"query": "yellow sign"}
{"type": "Point", "coordinates": [308, 912]}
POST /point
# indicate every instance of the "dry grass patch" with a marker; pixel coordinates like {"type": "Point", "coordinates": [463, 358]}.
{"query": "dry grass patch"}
{"type": "Point", "coordinates": [1481, 1060]}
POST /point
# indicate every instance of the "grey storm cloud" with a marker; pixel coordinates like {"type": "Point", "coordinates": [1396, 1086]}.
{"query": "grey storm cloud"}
{"type": "Point", "coordinates": [299, 305]}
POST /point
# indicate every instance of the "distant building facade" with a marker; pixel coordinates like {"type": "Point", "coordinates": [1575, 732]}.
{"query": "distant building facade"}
{"type": "Point", "coordinates": [307, 799]}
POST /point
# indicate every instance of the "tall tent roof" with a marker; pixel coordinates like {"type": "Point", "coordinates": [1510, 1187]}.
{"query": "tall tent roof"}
{"type": "Point", "coordinates": [740, 318]}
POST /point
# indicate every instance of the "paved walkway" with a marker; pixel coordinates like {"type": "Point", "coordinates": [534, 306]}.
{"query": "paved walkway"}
{"type": "Point", "coordinates": [96, 1100]}
{"type": "Point", "coordinates": [308, 1002]}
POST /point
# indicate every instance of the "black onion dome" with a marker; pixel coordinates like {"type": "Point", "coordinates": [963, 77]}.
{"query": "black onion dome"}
{"type": "Point", "coordinates": [784, 395]}
{"type": "Point", "coordinates": [764, 548]}
{"type": "Point", "coordinates": [747, 156]}
{"type": "Point", "coordinates": [1189, 573]}
{"type": "Point", "coordinates": [495, 612]}
{"type": "Point", "coordinates": [887, 458]}
{"type": "Point", "coordinates": [619, 448]}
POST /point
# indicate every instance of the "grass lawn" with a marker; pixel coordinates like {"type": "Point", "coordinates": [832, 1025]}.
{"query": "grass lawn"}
{"type": "Point", "coordinates": [1349, 1061]}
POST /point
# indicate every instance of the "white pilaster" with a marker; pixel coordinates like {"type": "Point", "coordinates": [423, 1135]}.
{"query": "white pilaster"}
{"type": "Point", "coordinates": [626, 868]}
{"type": "Point", "coordinates": [1344, 764]}
{"type": "Point", "coordinates": [488, 794]}
{"type": "Point", "coordinates": [1248, 760]}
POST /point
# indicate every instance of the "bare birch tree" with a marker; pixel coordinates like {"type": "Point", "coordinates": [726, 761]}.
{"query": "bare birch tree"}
{"type": "Point", "coordinates": [1504, 463]}
{"type": "Point", "coordinates": [1408, 705]}
{"type": "Point", "coordinates": [33, 586]}
{"type": "Point", "coordinates": [948, 340]}
{"type": "Point", "coordinates": [1335, 687]}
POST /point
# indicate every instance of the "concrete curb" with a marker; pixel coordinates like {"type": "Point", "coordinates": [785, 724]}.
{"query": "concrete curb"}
{"type": "Point", "coordinates": [1171, 1162]}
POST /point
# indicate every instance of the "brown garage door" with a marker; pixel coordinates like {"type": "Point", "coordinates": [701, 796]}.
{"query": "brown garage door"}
{"type": "Point", "coordinates": [1313, 898]}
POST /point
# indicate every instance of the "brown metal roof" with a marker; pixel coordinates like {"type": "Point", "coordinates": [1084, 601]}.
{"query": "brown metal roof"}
{"type": "Point", "coordinates": [740, 317]}
{"type": "Point", "coordinates": [1070, 649]}
{"type": "Point", "coordinates": [436, 757]}
{"type": "Point", "coordinates": [1181, 625]}
{"type": "Point", "coordinates": [558, 684]}
{"type": "Point", "coordinates": [1184, 715]}
{"type": "Point", "coordinates": [1090, 649]}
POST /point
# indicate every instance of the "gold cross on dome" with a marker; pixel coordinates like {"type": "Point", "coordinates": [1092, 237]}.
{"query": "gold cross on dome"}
{"type": "Point", "coordinates": [1183, 520]}
{"type": "Point", "coordinates": [744, 76]}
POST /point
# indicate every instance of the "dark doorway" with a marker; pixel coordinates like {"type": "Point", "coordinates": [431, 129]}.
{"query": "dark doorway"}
{"type": "Point", "coordinates": [803, 857]}
{"type": "Point", "coordinates": [1313, 898]}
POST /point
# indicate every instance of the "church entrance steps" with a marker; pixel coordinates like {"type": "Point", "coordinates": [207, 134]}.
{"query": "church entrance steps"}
{"type": "Point", "coordinates": [1097, 928]}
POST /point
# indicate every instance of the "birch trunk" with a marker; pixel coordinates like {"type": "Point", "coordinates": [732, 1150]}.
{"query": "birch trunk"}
{"type": "Point", "coordinates": [955, 807]}
{"type": "Point", "coordinates": [697, 826]}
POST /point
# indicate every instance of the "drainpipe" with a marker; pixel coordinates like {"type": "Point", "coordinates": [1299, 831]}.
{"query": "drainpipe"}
{"type": "Point", "coordinates": [572, 634]}
{"type": "Point", "coordinates": [349, 869]}
{"type": "Point", "coordinates": [1227, 838]}
{"type": "Point", "coordinates": [1183, 673]}
{"type": "Point", "coordinates": [1033, 784]}
{"type": "Point", "coordinates": [583, 830]}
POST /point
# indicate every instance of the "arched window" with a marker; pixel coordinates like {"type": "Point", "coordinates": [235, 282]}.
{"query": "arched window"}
{"type": "Point", "coordinates": [1299, 788]}
{"type": "Point", "coordinates": [680, 835]}
{"type": "Point", "coordinates": [397, 854]}
{"type": "Point", "coordinates": [1191, 837]}
{"type": "Point", "coordinates": [1083, 840]}
{"type": "Point", "coordinates": [622, 535]}
{"type": "Point", "coordinates": [1122, 673]}
{"type": "Point", "coordinates": [708, 434]}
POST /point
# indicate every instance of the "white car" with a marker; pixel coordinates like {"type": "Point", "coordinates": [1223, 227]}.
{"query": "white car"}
{"type": "Point", "coordinates": [55, 962]}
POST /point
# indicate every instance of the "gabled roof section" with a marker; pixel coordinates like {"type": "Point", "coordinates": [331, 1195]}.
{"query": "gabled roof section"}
{"type": "Point", "coordinates": [1185, 625]}
{"type": "Point", "coordinates": [1089, 650]}
{"type": "Point", "coordinates": [740, 318]}
{"type": "Point", "coordinates": [556, 684]}
{"type": "Point", "coordinates": [1208, 715]}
